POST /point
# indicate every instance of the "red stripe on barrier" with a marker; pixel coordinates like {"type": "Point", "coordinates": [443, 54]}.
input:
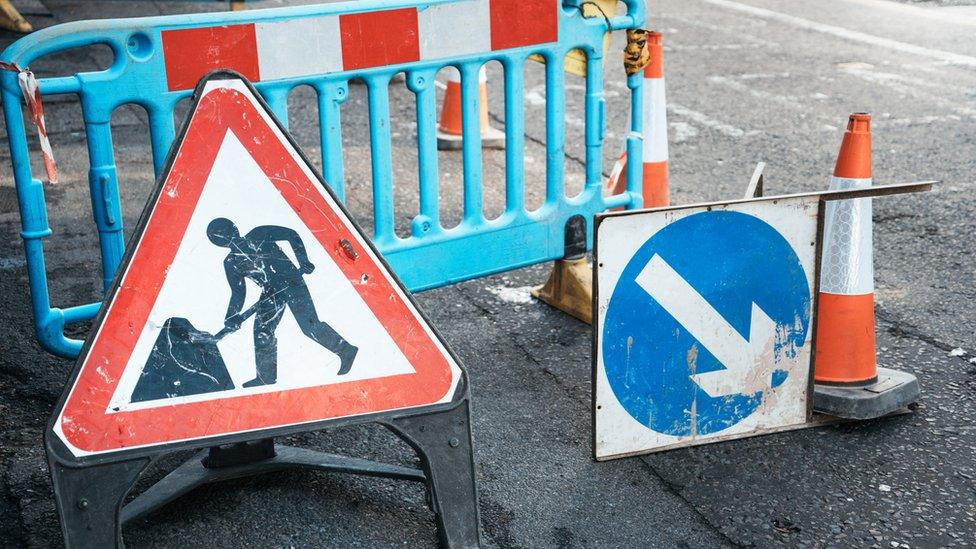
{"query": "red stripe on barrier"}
{"type": "Point", "coordinates": [192, 53]}
{"type": "Point", "coordinates": [379, 38]}
{"type": "Point", "coordinates": [517, 23]}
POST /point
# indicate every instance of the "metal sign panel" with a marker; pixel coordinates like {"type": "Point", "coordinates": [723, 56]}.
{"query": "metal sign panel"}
{"type": "Point", "coordinates": [249, 302]}
{"type": "Point", "coordinates": [704, 322]}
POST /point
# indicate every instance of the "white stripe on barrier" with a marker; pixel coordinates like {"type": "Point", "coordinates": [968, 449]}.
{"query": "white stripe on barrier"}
{"type": "Point", "coordinates": [655, 121]}
{"type": "Point", "coordinates": [847, 267]}
{"type": "Point", "coordinates": [451, 30]}
{"type": "Point", "coordinates": [299, 47]}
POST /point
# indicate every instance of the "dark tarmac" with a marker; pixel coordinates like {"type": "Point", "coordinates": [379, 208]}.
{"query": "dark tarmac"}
{"type": "Point", "coordinates": [748, 81]}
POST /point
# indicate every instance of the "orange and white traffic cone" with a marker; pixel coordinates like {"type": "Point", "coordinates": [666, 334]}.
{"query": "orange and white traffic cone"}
{"type": "Point", "coordinates": [449, 126]}
{"type": "Point", "coordinates": [654, 188]}
{"type": "Point", "coordinates": [848, 381]}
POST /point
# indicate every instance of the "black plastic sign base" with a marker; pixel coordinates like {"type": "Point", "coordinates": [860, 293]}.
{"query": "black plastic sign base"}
{"type": "Point", "coordinates": [89, 497]}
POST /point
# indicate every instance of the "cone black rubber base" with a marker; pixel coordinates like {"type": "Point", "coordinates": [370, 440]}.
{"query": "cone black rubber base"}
{"type": "Point", "coordinates": [892, 390]}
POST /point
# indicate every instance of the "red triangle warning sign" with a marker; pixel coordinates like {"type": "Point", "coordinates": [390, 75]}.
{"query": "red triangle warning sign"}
{"type": "Point", "coordinates": [249, 301]}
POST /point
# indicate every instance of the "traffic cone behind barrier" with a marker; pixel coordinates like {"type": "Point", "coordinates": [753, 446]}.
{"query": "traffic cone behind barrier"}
{"type": "Point", "coordinates": [848, 381]}
{"type": "Point", "coordinates": [449, 126]}
{"type": "Point", "coordinates": [654, 187]}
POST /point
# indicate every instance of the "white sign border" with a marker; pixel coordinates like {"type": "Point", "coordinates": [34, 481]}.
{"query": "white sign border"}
{"type": "Point", "coordinates": [636, 438]}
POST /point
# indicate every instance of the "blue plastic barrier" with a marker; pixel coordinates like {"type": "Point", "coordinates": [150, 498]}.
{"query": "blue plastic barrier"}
{"type": "Point", "coordinates": [432, 255]}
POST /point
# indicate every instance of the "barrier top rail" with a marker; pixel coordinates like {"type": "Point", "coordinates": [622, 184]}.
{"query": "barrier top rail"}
{"type": "Point", "coordinates": [158, 60]}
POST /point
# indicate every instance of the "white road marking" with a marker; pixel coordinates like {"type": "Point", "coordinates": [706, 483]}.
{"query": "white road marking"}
{"type": "Point", "coordinates": [762, 75]}
{"type": "Point", "coordinates": [709, 122]}
{"type": "Point", "coordinates": [723, 29]}
{"type": "Point", "coordinates": [709, 47]}
{"type": "Point", "coordinates": [847, 34]}
{"type": "Point", "coordinates": [914, 87]}
{"type": "Point", "coordinates": [682, 131]}
{"type": "Point", "coordinates": [936, 14]}
{"type": "Point", "coordinates": [710, 328]}
{"type": "Point", "coordinates": [791, 101]}
{"type": "Point", "coordinates": [917, 121]}
{"type": "Point", "coordinates": [536, 95]}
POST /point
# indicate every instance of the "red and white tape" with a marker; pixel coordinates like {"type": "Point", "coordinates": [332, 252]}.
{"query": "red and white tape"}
{"type": "Point", "coordinates": [32, 96]}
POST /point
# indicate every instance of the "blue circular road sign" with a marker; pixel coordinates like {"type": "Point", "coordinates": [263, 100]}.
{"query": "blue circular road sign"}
{"type": "Point", "coordinates": [736, 263]}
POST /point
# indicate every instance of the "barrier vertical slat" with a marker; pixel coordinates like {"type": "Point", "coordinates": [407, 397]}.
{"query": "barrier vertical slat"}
{"type": "Point", "coordinates": [104, 188]}
{"type": "Point", "coordinates": [635, 143]}
{"type": "Point", "coordinates": [34, 226]}
{"type": "Point", "coordinates": [330, 96]}
{"type": "Point", "coordinates": [594, 119]}
{"type": "Point", "coordinates": [555, 129]}
{"type": "Point", "coordinates": [162, 132]}
{"type": "Point", "coordinates": [471, 144]}
{"type": "Point", "coordinates": [277, 99]}
{"type": "Point", "coordinates": [380, 157]}
{"type": "Point", "coordinates": [514, 136]}
{"type": "Point", "coordinates": [422, 84]}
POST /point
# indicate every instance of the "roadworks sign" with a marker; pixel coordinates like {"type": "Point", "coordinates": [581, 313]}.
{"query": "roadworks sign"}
{"type": "Point", "coordinates": [249, 301]}
{"type": "Point", "coordinates": [704, 323]}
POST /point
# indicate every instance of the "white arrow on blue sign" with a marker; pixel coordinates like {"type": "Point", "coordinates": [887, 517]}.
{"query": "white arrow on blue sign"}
{"type": "Point", "coordinates": [739, 355]}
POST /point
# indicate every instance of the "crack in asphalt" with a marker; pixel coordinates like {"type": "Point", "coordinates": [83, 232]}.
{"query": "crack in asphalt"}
{"type": "Point", "coordinates": [491, 317]}
{"type": "Point", "coordinates": [542, 142]}
{"type": "Point", "coordinates": [489, 314]}
{"type": "Point", "coordinates": [905, 330]}
{"type": "Point", "coordinates": [701, 516]}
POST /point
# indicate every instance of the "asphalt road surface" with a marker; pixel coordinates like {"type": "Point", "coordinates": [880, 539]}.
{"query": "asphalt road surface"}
{"type": "Point", "coordinates": [748, 80]}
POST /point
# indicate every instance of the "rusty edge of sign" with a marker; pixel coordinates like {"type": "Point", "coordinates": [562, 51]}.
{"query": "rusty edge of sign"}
{"type": "Point", "coordinates": [818, 420]}
{"type": "Point", "coordinates": [867, 192]}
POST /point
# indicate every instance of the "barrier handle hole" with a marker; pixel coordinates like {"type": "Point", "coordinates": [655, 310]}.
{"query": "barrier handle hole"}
{"type": "Point", "coordinates": [140, 47]}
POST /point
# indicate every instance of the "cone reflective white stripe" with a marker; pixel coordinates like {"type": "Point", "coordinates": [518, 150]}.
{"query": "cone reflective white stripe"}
{"type": "Point", "coordinates": [848, 261]}
{"type": "Point", "coordinates": [449, 127]}
{"type": "Point", "coordinates": [655, 121]}
{"type": "Point", "coordinates": [845, 348]}
{"type": "Point", "coordinates": [654, 187]}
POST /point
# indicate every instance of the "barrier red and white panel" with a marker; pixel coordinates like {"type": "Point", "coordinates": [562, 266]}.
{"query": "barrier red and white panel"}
{"type": "Point", "coordinates": [334, 43]}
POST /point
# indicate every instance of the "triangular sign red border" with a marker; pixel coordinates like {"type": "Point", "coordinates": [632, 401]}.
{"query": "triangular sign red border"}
{"type": "Point", "coordinates": [226, 102]}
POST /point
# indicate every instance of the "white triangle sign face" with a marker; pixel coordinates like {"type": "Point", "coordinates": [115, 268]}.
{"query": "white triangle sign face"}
{"type": "Point", "coordinates": [249, 301]}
